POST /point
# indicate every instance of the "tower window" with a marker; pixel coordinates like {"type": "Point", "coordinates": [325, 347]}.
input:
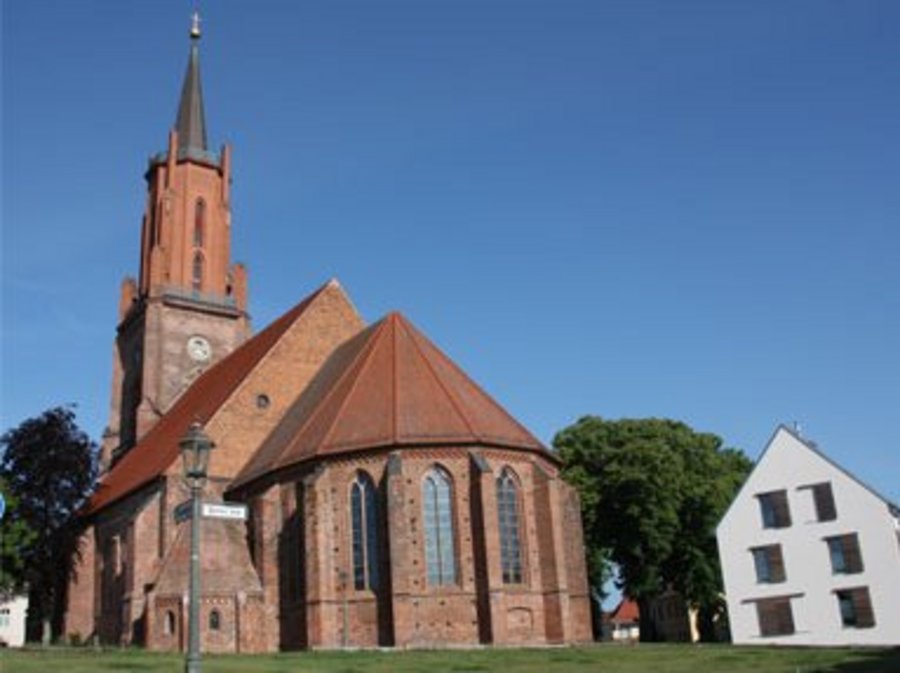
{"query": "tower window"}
{"type": "Point", "coordinates": [199, 222]}
{"type": "Point", "coordinates": [510, 535]}
{"type": "Point", "coordinates": [197, 272]}
{"type": "Point", "coordinates": [440, 548]}
{"type": "Point", "coordinates": [364, 530]}
{"type": "Point", "coordinates": [215, 620]}
{"type": "Point", "coordinates": [262, 401]}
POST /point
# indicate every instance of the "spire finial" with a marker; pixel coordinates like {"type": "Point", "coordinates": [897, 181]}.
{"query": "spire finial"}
{"type": "Point", "coordinates": [190, 123]}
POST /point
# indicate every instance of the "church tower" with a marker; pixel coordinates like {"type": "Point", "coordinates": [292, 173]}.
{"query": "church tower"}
{"type": "Point", "coordinates": [188, 307]}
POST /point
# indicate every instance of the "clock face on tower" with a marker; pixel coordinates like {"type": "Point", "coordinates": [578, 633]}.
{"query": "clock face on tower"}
{"type": "Point", "coordinates": [198, 349]}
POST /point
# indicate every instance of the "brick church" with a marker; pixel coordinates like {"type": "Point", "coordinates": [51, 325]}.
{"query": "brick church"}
{"type": "Point", "coordinates": [391, 501]}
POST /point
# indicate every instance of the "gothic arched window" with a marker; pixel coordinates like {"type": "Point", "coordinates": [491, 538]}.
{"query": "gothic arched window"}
{"type": "Point", "coordinates": [364, 532]}
{"type": "Point", "coordinates": [197, 272]}
{"type": "Point", "coordinates": [440, 546]}
{"type": "Point", "coordinates": [510, 528]}
{"type": "Point", "coordinates": [215, 620]}
{"type": "Point", "coordinates": [199, 222]}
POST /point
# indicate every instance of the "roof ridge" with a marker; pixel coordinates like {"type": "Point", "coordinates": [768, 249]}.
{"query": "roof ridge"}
{"type": "Point", "coordinates": [303, 305]}
{"type": "Point", "coordinates": [290, 444]}
{"type": "Point", "coordinates": [481, 391]}
{"type": "Point", "coordinates": [815, 450]}
{"type": "Point", "coordinates": [366, 354]}
{"type": "Point", "coordinates": [285, 319]}
{"type": "Point", "coordinates": [395, 400]}
{"type": "Point", "coordinates": [814, 447]}
{"type": "Point", "coordinates": [431, 402]}
{"type": "Point", "coordinates": [453, 401]}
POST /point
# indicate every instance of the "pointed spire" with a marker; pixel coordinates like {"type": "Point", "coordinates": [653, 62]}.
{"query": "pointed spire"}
{"type": "Point", "coordinates": [191, 123]}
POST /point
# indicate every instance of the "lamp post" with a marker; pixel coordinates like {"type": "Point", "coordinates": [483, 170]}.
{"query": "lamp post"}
{"type": "Point", "coordinates": [195, 448]}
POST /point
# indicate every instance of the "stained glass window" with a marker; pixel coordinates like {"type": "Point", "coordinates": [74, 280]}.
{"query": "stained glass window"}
{"type": "Point", "coordinates": [364, 529]}
{"type": "Point", "coordinates": [510, 537]}
{"type": "Point", "coordinates": [437, 505]}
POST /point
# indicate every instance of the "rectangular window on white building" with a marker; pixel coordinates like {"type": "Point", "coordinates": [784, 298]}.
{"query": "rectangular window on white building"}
{"type": "Point", "coordinates": [823, 497]}
{"type": "Point", "coordinates": [769, 564]}
{"type": "Point", "coordinates": [775, 616]}
{"type": "Point", "coordinates": [846, 557]}
{"type": "Point", "coordinates": [855, 608]}
{"type": "Point", "coordinates": [823, 500]}
{"type": "Point", "coordinates": [774, 509]}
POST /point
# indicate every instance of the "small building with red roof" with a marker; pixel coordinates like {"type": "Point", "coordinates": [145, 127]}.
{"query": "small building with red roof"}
{"type": "Point", "coordinates": [623, 624]}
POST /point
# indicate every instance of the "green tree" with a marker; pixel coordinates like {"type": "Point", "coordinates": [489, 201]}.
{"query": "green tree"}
{"type": "Point", "coordinates": [49, 467]}
{"type": "Point", "coordinates": [15, 538]}
{"type": "Point", "coordinates": [652, 491]}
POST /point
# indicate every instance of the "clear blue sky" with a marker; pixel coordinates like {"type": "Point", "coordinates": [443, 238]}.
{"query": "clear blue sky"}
{"type": "Point", "coordinates": [681, 209]}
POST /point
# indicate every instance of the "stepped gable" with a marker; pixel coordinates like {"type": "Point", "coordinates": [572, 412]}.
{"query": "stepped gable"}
{"type": "Point", "coordinates": [158, 449]}
{"type": "Point", "coordinates": [387, 386]}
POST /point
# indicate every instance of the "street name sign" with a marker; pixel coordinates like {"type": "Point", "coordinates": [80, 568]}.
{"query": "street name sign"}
{"type": "Point", "coordinates": [233, 511]}
{"type": "Point", "coordinates": [225, 510]}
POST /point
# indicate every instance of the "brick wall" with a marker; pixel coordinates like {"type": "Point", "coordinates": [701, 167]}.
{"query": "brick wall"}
{"type": "Point", "coordinates": [576, 567]}
{"type": "Point", "coordinates": [79, 618]}
{"type": "Point", "coordinates": [123, 559]}
{"type": "Point", "coordinates": [314, 513]}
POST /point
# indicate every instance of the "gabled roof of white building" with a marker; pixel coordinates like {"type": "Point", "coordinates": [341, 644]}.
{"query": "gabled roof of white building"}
{"type": "Point", "coordinates": [893, 508]}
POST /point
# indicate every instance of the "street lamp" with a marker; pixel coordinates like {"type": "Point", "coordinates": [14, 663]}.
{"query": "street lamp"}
{"type": "Point", "coordinates": [195, 448]}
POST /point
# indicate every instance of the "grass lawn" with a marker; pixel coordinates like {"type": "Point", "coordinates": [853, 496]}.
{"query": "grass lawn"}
{"type": "Point", "coordinates": [596, 659]}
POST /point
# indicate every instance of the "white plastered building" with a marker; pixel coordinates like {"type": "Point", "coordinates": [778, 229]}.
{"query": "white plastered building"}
{"type": "Point", "coordinates": [810, 554]}
{"type": "Point", "coordinates": [12, 620]}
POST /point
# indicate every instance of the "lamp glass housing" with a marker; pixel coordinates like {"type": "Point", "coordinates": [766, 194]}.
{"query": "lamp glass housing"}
{"type": "Point", "coordinates": [195, 450]}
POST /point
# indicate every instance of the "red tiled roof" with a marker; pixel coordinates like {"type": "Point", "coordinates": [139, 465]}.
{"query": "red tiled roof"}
{"type": "Point", "coordinates": [387, 386]}
{"type": "Point", "coordinates": [626, 612]}
{"type": "Point", "coordinates": [158, 449]}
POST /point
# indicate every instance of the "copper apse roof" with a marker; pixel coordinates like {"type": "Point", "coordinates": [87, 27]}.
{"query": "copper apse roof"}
{"type": "Point", "coordinates": [387, 386]}
{"type": "Point", "coordinates": [158, 449]}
